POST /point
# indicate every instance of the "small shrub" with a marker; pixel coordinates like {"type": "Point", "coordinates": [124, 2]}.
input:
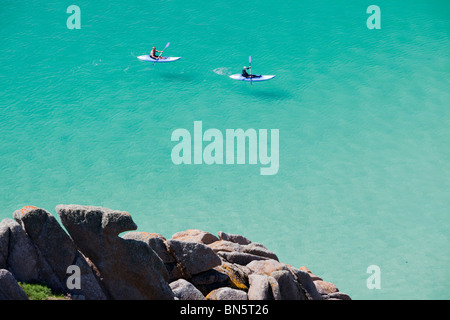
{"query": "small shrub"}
{"type": "Point", "coordinates": [36, 291]}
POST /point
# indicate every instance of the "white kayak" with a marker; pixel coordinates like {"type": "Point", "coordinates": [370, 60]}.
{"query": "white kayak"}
{"type": "Point", "coordinates": [260, 78]}
{"type": "Point", "coordinates": [166, 59]}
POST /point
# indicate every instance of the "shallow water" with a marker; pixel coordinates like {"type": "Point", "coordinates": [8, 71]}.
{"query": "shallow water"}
{"type": "Point", "coordinates": [363, 116]}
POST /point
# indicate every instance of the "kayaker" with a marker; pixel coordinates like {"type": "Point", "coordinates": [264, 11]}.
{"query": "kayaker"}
{"type": "Point", "coordinates": [153, 54]}
{"type": "Point", "coordinates": [246, 75]}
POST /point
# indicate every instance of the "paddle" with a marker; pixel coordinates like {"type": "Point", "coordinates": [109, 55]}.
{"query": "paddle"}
{"type": "Point", "coordinates": [168, 43]}
{"type": "Point", "coordinates": [250, 62]}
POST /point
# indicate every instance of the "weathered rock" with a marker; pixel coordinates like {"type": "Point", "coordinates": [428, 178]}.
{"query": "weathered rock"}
{"type": "Point", "coordinates": [266, 266]}
{"type": "Point", "coordinates": [287, 286]}
{"type": "Point", "coordinates": [184, 290]}
{"type": "Point", "coordinates": [9, 288]}
{"type": "Point", "coordinates": [174, 271]}
{"type": "Point", "coordinates": [238, 275]}
{"type": "Point", "coordinates": [4, 243]}
{"type": "Point", "coordinates": [155, 241]}
{"type": "Point", "coordinates": [226, 293]}
{"type": "Point", "coordinates": [46, 233]}
{"type": "Point", "coordinates": [239, 257]}
{"type": "Point", "coordinates": [130, 269]}
{"type": "Point", "coordinates": [210, 280]}
{"type": "Point", "coordinates": [192, 257]}
{"type": "Point", "coordinates": [259, 288]}
{"type": "Point", "coordinates": [337, 296]}
{"type": "Point", "coordinates": [17, 249]}
{"type": "Point", "coordinates": [91, 288]}
{"type": "Point", "coordinates": [182, 258]}
{"type": "Point", "coordinates": [282, 282]}
{"type": "Point", "coordinates": [195, 235]}
{"type": "Point", "coordinates": [274, 287]}
{"type": "Point", "coordinates": [312, 275]}
{"type": "Point", "coordinates": [55, 253]}
{"type": "Point", "coordinates": [233, 238]}
{"type": "Point", "coordinates": [224, 245]}
{"type": "Point", "coordinates": [306, 282]}
{"type": "Point", "coordinates": [325, 288]}
{"type": "Point", "coordinates": [208, 277]}
{"type": "Point", "coordinates": [24, 259]}
{"type": "Point", "coordinates": [259, 249]}
{"type": "Point", "coordinates": [253, 248]}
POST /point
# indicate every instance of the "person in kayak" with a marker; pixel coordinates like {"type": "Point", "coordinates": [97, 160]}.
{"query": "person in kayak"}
{"type": "Point", "coordinates": [246, 75]}
{"type": "Point", "coordinates": [153, 54]}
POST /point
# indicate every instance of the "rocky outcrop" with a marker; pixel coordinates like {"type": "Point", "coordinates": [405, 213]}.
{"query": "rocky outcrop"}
{"type": "Point", "coordinates": [130, 269]}
{"type": "Point", "coordinates": [9, 288]}
{"type": "Point", "coordinates": [16, 247]}
{"type": "Point", "coordinates": [184, 290]}
{"type": "Point", "coordinates": [195, 235]}
{"type": "Point", "coordinates": [38, 250]}
{"type": "Point", "coordinates": [58, 251]}
{"type": "Point", "coordinates": [260, 288]}
{"type": "Point", "coordinates": [187, 256]}
{"type": "Point", "coordinates": [236, 238]}
{"type": "Point", "coordinates": [252, 249]}
{"type": "Point", "coordinates": [227, 294]}
{"type": "Point", "coordinates": [191, 265]}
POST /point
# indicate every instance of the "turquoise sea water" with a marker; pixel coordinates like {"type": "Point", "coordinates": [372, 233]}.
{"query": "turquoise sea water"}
{"type": "Point", "coordinates": [363, 116]}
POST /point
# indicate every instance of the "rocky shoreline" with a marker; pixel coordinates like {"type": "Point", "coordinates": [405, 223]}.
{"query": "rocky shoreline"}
{"type": "Point", "coordinates": [192, 265]}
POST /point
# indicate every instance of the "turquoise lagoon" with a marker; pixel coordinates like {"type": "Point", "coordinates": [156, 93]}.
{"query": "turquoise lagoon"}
{"type": "Point", "coordinates": [363, 118]}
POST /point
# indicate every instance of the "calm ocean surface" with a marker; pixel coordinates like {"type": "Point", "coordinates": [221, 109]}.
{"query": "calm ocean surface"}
{"type": "Point", "coordinates": [363, 116]}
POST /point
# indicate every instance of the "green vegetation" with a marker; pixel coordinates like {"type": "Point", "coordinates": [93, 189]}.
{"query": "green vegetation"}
{"type": "Point", "coordinates": [36, 291]}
